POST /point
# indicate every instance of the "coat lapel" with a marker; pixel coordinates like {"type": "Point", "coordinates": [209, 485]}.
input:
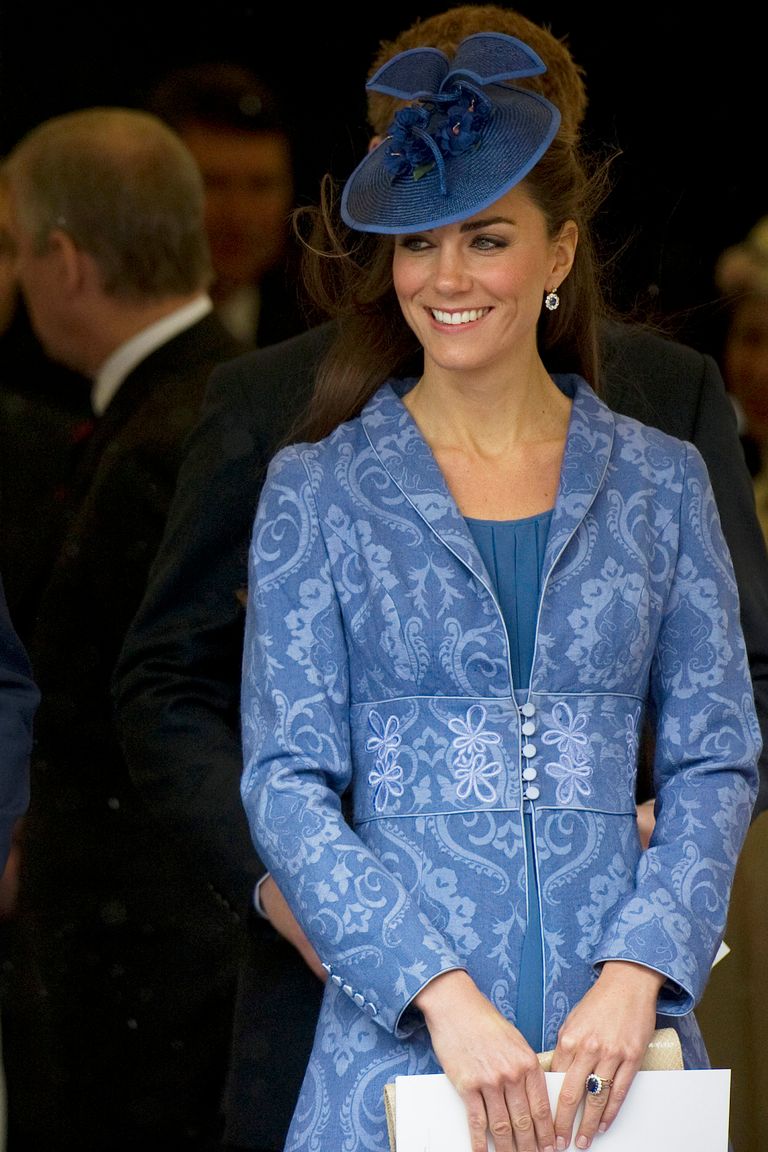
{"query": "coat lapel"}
{"type": "Point", "coordinates": [408, 459]}
{"type": "Point", "coordinates": [587, 453]}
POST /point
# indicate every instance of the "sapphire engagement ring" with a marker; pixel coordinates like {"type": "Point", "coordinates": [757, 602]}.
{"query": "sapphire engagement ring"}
{"type": "Point", "coordinates": [595, 1084]}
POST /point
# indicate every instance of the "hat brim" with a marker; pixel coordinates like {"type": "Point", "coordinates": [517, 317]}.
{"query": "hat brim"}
{"type": "Point", "coordinates": [519, 130]}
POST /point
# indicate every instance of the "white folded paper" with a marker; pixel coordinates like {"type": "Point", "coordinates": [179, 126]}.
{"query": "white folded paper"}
{"type": "Point", "coordinates": [664, 1112]}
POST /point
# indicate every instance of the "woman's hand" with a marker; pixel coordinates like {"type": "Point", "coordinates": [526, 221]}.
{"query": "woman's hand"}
{"type": "Point", "coordinates": [490, 1065]}
{"type": "Point", "coordinates": [646, 822]}
{"type": "Point", "coordinates": [283, 921]}
{"type": "Point", "coordinates": [605, 1035]}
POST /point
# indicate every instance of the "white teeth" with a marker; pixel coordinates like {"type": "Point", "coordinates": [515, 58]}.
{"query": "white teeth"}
{"type": "Point", "coordinates": [459, 317]}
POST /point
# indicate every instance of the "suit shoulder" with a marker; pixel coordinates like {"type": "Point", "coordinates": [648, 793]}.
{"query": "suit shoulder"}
{"type": "Point", "coordinates": [277, 364]}
{"type": "Point", "coordinates": [657, 379]}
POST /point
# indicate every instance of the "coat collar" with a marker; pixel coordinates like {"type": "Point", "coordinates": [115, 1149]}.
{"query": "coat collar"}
{"type": "Point", "coordinates": [408, 459]}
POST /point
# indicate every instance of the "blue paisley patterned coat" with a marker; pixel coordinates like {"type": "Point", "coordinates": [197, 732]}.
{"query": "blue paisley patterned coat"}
{"type": "Point", "coordinates": [376, 660]}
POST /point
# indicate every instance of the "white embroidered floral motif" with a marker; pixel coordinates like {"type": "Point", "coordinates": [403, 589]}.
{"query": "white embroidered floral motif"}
{"type": "Point", "coordinates": [472, 768]}
{"type": "Point", "coordinates": [573, 770]}
{"type": "Point", "coordinates": [386, 778]}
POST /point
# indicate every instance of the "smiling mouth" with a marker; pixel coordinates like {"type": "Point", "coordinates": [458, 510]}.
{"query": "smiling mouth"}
{"type": "Point", "coordinates": [465, 317]}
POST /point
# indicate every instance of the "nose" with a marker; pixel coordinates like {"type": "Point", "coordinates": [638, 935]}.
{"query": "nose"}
{"type": "Point", "coordinates": [451, 273]}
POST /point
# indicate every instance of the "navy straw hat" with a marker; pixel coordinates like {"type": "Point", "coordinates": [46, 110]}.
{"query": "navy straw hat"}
{"type": "Point", "coordinates": [465, 139]}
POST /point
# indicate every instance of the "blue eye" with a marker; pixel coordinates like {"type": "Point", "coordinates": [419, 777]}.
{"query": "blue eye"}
{"type": "Point", "coordinates": [414, 243]}
{"type": "Point", "coordinates": [486, 242]}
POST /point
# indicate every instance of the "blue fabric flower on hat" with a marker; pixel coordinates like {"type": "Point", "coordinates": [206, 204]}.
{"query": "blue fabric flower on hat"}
{"type": "Point", "coordinates": [408, 151]}
{"type": "Point", "coordinates": [426, 134]}
{"type": "Point", "coordinates": [460, 126]}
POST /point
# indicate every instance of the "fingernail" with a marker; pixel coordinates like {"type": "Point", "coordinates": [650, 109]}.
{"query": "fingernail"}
{"type": "Point", "coordinates": [602, 1128]}
{"type": "Point", "coordinates": [582, 1142]}
{"type": "Point", "coordinates": [561, 1144]}
{"type": "Point", "coordinates": [549, 1148]}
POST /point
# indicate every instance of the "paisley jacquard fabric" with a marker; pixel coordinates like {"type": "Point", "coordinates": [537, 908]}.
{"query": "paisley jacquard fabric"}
{"type": "Point", "coordinates": [376, 661]}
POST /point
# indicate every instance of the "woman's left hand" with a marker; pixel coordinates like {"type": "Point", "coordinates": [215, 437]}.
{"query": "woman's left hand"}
{"type": "Point", "coordinates": [605, 1036]}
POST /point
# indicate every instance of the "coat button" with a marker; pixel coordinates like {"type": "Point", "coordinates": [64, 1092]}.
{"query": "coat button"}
{"type": "Point", "coordinates": [531, 793]}
{"type": "Point", "coordinates": [528, 709]}
{"type": "Point", "coordinates": [529, 750]}
{"type": "Point", "coordinates": [528, 728]}
{"type": "Point", "coordinates": [529, 772]}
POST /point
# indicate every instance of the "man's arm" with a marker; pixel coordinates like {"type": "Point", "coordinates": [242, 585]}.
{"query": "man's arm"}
{"type": "Point", "coordinates": [177, 682]}
{"type": "Point", "coordinates": [19, 698]}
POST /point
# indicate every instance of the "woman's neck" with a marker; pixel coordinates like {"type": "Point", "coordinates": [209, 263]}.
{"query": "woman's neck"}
{"type": "Point", "coordinates": [500, 449]}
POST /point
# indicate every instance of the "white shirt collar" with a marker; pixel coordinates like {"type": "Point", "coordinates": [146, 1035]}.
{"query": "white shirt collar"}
{"type": "Point", "coordinates": [240, 313]}
{"type": "Point", "coordinates": [125, 358]}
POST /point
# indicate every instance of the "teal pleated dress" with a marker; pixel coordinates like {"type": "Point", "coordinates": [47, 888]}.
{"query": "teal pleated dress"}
{"type": "Point", "coordinates": [513, 553]}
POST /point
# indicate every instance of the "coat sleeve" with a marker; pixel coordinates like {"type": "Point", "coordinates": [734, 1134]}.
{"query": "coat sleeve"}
{"type": "Point", "coordinates": [19, 698]}
{"type": "Point", "coordinates": [375, 943]}
{"type": "Point", "coordinates": [705, 771]}
{"type": "Point", "coordinates": [176, 684]}
{"type": "Point", "coordinates": [680, 390]}
{"type": "Point", "coordinates": [715, 435]}
{"type": "Point", "coordinates": [176, 687]}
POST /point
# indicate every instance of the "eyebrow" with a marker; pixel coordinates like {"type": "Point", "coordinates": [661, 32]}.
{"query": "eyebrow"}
{"type": "Point", "coordinates": [475, 225]}
{"type": "Point", "coordinates": [469, 225]}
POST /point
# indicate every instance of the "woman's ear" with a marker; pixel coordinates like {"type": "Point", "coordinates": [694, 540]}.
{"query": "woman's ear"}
{"type": "Point", "coordinates": [374, 142]}
{"type": "Point", "coordinates": [565, 251]}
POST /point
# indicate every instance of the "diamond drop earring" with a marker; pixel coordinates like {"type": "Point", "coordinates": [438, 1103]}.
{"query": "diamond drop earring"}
{"type": "Point", "coordinates": [552, 300]}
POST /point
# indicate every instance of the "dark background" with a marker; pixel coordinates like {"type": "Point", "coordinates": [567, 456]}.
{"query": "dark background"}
{"type": "Point", "coordinates": [680, 93]}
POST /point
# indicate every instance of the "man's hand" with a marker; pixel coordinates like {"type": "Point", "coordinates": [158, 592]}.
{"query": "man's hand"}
{"type": "Point", "coordinates": [646, 822]}
{"type": "Point", "coordinates": [283, 921]}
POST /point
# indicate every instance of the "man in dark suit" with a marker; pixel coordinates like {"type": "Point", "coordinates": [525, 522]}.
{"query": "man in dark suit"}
{"type": "Point", "coordinates": [127, 957]}
{"type": "Point", "coordinates": [178, 679]}
{"type": "Point", "coordinates": [233, 125]}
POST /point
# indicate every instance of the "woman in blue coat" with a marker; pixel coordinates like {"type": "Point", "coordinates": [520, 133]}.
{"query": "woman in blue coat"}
{"type": "Point", "coordinates": [470, 592]}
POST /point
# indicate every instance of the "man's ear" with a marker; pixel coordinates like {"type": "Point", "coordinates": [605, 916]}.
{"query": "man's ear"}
{"type": "Point", "coordinates": [69, 259]}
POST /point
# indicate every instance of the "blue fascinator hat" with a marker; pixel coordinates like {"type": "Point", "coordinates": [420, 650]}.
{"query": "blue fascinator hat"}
{"type": "Point", "coordinates": [464, 139]}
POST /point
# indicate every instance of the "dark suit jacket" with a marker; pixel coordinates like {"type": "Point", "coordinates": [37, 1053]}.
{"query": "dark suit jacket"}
{"type": "Point", "coordinates": [135, 955]}
{"type": "Point", "coordinates": [19, 698]}
{"type": "Point", "coordinates": [281, 313]}
{"type": "Point", "coordinates": [42, 409]}
{"type": "Point", "coordinates": [177, 688]}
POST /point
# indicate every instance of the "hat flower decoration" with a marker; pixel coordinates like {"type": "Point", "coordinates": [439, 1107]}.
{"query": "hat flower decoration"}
{"type": "Point", "coordinates": [422, 136]}
{"type": "Point", "coordinates": [464, 138]}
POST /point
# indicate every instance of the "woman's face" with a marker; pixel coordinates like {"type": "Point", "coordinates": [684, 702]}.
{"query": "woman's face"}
{"type": "Point", "coordinates": [745, 362]}
{"type": "Point", "coordinates": [473, 291]}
